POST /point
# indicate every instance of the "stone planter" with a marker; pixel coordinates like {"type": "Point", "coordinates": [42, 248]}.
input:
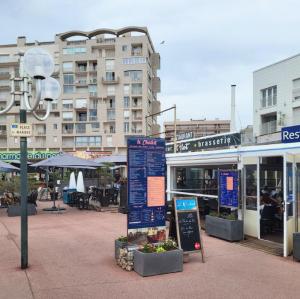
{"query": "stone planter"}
{"type": "Point", "coordinates": [230, 230]}
{"type": "Point", "coordinates": [118, 246]}
{"type": "Point", "coordinates": [296, 246]}
{"type": "Point", "coordinates": [15, 210]}
{"type": "Point", "coordinates": [147, 264]}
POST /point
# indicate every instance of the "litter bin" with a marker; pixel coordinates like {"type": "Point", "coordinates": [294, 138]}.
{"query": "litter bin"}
{"type": "Point", "coordinates": [66, 195]}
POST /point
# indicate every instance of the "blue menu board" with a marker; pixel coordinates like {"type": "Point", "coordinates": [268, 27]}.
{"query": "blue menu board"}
{"type": "Point", "coordinates": [146, 182]}
{"type": "Point", "coordinates": [229, 188]}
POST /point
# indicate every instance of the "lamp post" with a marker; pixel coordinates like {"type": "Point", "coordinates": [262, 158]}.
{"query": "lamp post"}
{"type": "Point", "coordinates": [36, 66]}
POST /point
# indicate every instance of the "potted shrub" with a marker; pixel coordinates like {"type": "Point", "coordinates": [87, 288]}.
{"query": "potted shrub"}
{"type": "Point", "coordinates": [158, 259]}
{"type": "Point", "coordinates": [224, 226]}
{"type": "Point", "coordinates": [121, 242]}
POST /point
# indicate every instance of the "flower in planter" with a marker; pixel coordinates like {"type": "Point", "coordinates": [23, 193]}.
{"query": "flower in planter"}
{"type": "Point", "coordinates": [197, 246]}
{"type": "Point", "coordinates": [123, 239]}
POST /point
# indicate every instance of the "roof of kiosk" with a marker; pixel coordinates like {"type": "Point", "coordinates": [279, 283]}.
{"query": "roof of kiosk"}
{"type": "Point", "coordinates": [231, 155]}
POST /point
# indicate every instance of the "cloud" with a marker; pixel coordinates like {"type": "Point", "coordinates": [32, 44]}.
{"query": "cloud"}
{"type": "Point", "coordinates": [208, 44]}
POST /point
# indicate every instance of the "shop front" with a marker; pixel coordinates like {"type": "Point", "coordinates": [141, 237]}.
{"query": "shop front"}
{"type": "Point", "coordinates": [269, 186]}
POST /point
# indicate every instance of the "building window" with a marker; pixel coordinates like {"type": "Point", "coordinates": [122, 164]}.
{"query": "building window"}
{"type": "Point", "coordinates": [268, 97]}
{"type": "Point", "coordinates": [81, 103]}
{"type": "Point", "coordinates": [134, 60]}
{"type": "Point", "coordinates": [68, 78]}
{"type": "Point", "coordinates": [268, 124]}
{"type": "Point", "coordinates": [110, 76]}
{"type": "Point", "coordinates": [136, 49]}
{"type": "Point", "coordinates": [67, 128]}
{"type": "Point", "coordinates": [67, 66]}
{"type": "Point", "coordinates": [93, 115]}
{"type": "Point", "coordinates": [126, 89]}
{"type": "Point", "coordinates": [74, 50]}
{"type": "Point", "coordinates": [126, 127]}
{"type": "Point", "coordinates": [124, 48]}
{"type": "Point", "coordinates": [126, 114]}
{"type": "Point", "coordinates": [54, 126]}
{"type": "Point", "coordinates": [109, 64]}
{"type": "Point", "coordinates": [80, 128]}
{"type": "Point", "coordinates": [111, 90]}
{"type": "Point", "coordinates": [112, 129]}
{"type": "Point", "coordinates": [67, 104]}
{"type": "Point", "coordinates": [93, 104]}
{"type": "Point", "coordinates": [134, 75]}
{"type": "Point", "coordinates": [4, 58]}
{"type": "Point", "coordinates": [95, 127]}
{"type": "Point", "coordinates": [126, 102]}
{"type": "Point", "coordinates": [67, 115]}
{"type": "Point", "coordinates": [69, 88]}
{"type": "Point", "coordinates": [109, 141]}
{"type": "Point", "coordinates": [93, 90]}
{"type": "Point", "coordinates": [111, 115]}
{"type": "Point", "coordinates": [136, 88]}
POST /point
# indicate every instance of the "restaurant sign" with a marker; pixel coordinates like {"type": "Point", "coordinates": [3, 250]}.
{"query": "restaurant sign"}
{"type": "Point", "coordinates": [290, 134]}
{"type": "Point", "coordinates": [31, 155]}
{"type": "Point", "coordinates": [204, 143]}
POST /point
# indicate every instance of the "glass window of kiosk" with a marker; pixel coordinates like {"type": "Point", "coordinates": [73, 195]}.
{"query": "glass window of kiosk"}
{"type": "Point", "coordinates": [251, 187]}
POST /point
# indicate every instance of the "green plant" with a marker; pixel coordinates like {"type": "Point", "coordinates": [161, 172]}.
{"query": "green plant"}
{"type": "Point", "coordinates": [214, 214]}
{"type": "Point", "coordinates": [160, 249]}
{"type": "Point", "coordinates": [229, 217]}
{"type": "Point", "coordinates": [148, 248]}
{"type": "Point", "coordinates": [169, 245]}
{"type": "Point", "coordinates": [123, 239]}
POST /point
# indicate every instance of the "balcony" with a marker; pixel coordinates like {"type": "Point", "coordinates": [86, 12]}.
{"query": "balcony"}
{"type": "Point", "coordinates": [93, 80]}
{"type": "Point", "coordinates": [8, 61]}
{"type": "Point", "coordinates": [156, 84]}
{"type": "Point", "coordinates": [4, 75]}
{"type": "Point", "coordinates": [105, 40]}
{"type": "Point", "coordinates": [93, 94]}
{"type": "Point", "coordinates": [136, 131]}
{"type": "Point", "coordinates": [155, 107]}
{"type": "Point", "coordinates": [155, 60]}
{"type": "Point", "coordinates": [3, 133]}
{"type": "Point", "coordinates": [81, 105]}
{"type": "Point", "coordinates": [41, 133]}
{"type": "Point", "coordinates": [80, 129]}
{"type": "Point", "coordinates": [110, 80]}
{"type": "Point", "coordinates": [67, 131]}
{"type": "Point", "coordinates": [80, 70]}
{"type": "Point", "coordinates": [81, 83]}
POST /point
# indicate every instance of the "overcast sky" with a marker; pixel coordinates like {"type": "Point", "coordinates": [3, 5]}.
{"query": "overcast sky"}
{"type": "Point", "coordinates": [209, 45]}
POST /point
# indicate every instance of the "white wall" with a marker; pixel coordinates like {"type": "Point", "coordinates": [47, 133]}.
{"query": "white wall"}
{"type": "Point", "coordinates": [281, 74]}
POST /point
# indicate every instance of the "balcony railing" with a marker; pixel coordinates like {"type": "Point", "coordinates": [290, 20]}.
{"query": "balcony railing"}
{"type": "Point", "coordinates": [134, 130]}
{"type": "Point", "coordinates": [68, 131]}
{"type": "Point", "coordinates": [110, 80]}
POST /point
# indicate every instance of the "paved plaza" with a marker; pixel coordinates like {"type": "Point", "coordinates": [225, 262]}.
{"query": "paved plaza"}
{"type": "Point", "coordinates": [71, 255]}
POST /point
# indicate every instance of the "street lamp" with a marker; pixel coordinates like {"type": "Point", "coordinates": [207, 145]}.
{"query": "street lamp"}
{"type": "Point", "coordinates": [36, 66]}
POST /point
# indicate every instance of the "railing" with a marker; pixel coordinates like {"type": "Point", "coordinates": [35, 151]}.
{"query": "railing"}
{"type": "Point", "coordinates": [70, 131]}
{"type": "Point", "coordinates": [93, 94]}
{"type": "Point", "coordinates": [105, 40]}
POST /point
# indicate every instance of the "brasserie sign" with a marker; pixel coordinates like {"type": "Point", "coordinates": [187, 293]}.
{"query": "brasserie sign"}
{"type": "Point", "coordinates": [204, 143]}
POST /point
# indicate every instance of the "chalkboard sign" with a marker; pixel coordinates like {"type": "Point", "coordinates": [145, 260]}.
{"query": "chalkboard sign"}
{"type": "Point", "coordinates": [188, 225]}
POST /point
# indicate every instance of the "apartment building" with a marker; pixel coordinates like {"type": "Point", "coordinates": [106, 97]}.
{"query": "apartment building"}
{"type": "Point", "coordinates": [109, 84]}
{"type": "Point", "coordinates": [195, 128]}
{"type": "Point", "coordinates": [276, 99]}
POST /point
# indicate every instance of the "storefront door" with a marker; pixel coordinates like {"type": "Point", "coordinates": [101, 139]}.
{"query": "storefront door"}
{"type": "Point", "coordinates": [289, 203]}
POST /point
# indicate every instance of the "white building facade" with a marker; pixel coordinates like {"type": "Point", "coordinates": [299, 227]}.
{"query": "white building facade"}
{"type": "Point", "coordinates": [276, 99]}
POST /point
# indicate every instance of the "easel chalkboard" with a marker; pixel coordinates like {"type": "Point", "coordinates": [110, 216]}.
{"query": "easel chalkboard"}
{"type": "Point", "coordinates": [188, 225]}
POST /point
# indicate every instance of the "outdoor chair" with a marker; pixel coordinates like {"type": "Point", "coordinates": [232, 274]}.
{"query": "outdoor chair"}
{"type": "Point", "coordinates": [83, 201]}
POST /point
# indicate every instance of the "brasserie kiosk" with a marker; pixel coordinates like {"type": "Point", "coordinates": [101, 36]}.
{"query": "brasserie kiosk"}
{"type": "Point", "coordinates": [269, 188]}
